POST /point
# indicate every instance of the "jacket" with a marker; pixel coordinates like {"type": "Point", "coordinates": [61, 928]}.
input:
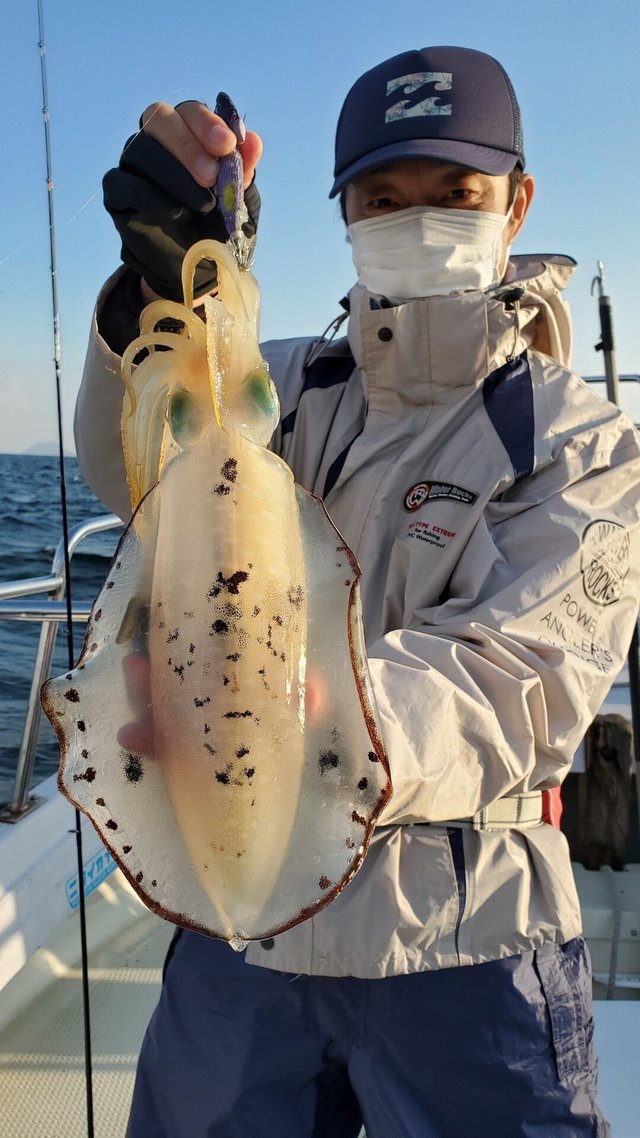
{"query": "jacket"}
{"type": "Point", "coordinates": [492, 502]}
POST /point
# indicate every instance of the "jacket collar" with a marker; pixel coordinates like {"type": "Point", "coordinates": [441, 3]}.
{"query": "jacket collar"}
{"type": "Point", "coordinates": [426, 350]}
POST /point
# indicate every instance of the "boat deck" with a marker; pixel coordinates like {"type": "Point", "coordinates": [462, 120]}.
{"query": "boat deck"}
{"type": "Point", "coordinates": [42, 1082]}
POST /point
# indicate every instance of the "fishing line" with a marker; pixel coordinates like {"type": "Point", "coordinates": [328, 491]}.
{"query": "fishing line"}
{"type": "Point", "coordinates": [93, 196]}
{"type": "Point", "coordinates": [67, 565]}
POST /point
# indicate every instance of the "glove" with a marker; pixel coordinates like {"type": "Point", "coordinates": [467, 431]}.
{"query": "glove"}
{"type": "Point", "coordinates": [160, 211]}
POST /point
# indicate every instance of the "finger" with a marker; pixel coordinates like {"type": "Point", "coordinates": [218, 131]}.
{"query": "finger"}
{"type": "Point", "coordinates": [251, 151]}
{"type": "Point", "coordinates": [135, 737]}
{"type": "Point", "coordinates": [171, 130]}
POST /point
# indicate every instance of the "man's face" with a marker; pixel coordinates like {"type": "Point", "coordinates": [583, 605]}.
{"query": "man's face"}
{"type": "Point", "coordinates": [429, 182]}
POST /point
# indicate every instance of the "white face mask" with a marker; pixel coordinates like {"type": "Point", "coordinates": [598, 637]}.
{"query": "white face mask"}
{"type": "Point", "coordinates": [429, 251]}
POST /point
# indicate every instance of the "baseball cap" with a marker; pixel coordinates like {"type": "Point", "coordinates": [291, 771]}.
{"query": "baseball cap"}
{"type": "Point", "coordinates": [451, 103]}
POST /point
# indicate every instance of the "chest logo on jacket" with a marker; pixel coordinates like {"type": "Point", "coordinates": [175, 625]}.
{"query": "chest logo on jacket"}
{"type": "Point", "coordinates": [436, 491]}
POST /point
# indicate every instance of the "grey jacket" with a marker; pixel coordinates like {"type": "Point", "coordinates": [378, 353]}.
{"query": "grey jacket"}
{"type": "Point", "coordinates": [492, 501]}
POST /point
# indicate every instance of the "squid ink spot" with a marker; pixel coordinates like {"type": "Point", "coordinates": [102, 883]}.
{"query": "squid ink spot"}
{"type": "Point", "coordinates": [119, 566]}
{"type": "Point", "coordinates": [86, 776]}
{"type": "Point", "coordinates": [241, 853]}
{"type": "Point", "coordinates": [139, 877]}
{"type": "Point", "coordinates": [249, 771]}
{"type": "Point", "coordinates": [220, 627]}
{"type": "Point", "coordinates": [133, 768]}
{"type": "Point", "coordinates": [161, 624]}
{"type": "Point", "coordinates": [85, 754]}
{"type": "Point", "coordinates": [154, 883]}
{"type": "Point", "coordinates": [111, 825]}
{"type": "Point", "coordinates": [209, 748]}
{"type": "Point", "coordinates": [100, 802]}
{"type": "Point", "coordinates": [328, 761]}
{"type": "Point", "coordinates": [324, 883]}
{"type": "Point", "coordinates": [206, 728]}
{"type": "Point", "coordinates": [159, 604]}
{"type": "Point", "coordinates": [278, 619]}
{"type": "Point", "coordinates": [173, 636]}
{"type": "Point", "coordinates": [230, 469]}
{"type": "Point", "coordinates": [189, 663]}
{"type": "Point", "coordinates": [358, 818]}
{"type": "Point", "coordinates": [350, 844]}
{"type": "Point", "coordinates": [225, 680]}
{"type": "Point", "coordinates": [241, 752]}
{"type": "Point", "coordinates": [97, 615]}
{"type": "Point", "coordinates": [169, 662]}
{"type": "Point", "coordinates": [69, 676]}
{"type": "Point", "coordinates": [127, 849]}
{"type": "Point", "coordinates": [188, 614]}
{"type": "Point", "coordinates": [221, 489]}
{"type": "Point", "coordinates": [192, 648]}
{"type": "Point", "coordinates": [223, 777]}
{"type": "Point", "coordinates": [201, 702]}
{"type": "Point", "coordinates": [179, 671]}
{"type": "Point", "coordinates": [256, 610]}
{"type": "Point", "coordinates": [373, 758]}
{"type": "Point", "coordinates": [238, 578]}
{"type": "Point", "coordinates": [348, 583]}
{"type": "Point", "coordinates": [296, 596]}
{"type": "Point", "coordinates": [110, 584]}
{"type": "Point", "coordinates": [363, 784]}
{"type": "Point", "coordinates": [237, 714]}
{"type": "Point", "coordinates": [235, 656]}
{"type": "Point", "coordinates": [82, 725]}
{"type": "Point", "coordinates": [283, 657]}
{"type": "Point", "coordinates": [253, 802]}
{"type": "Point", "coordinates": [93, 647]}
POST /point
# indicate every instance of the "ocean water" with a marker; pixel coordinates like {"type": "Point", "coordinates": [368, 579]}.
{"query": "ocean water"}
{"type": "Point", "coordinates": [30, 529]}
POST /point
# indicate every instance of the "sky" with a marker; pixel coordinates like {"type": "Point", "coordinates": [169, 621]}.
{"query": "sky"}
{"type": "Point", "coordinates": [288, 66]}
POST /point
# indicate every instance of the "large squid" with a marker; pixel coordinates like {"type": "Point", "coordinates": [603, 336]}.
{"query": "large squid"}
{"type": "Point", "coordinates": [231, 612]}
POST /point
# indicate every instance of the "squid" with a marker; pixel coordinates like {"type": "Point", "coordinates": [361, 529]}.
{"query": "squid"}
{"type": "Point", "coordinates": [220, 728]}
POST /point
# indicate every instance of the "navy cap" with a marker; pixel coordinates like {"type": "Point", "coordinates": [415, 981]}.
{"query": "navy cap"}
{"type": "Point", "coordinates": [439, 102]}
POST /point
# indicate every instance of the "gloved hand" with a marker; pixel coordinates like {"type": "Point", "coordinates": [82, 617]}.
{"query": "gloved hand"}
{"type": "Point", "coordinates": [161, 196]}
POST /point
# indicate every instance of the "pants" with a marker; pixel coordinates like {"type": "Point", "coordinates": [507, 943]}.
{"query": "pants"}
{"type": "Point", "coordinates": [497, 1050]}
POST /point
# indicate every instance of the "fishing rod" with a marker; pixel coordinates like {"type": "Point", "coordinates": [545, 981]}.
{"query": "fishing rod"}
{"type": "Point", "coordinates": [67, 561]}
{"type": "Point", "coordinates": [606, 345]}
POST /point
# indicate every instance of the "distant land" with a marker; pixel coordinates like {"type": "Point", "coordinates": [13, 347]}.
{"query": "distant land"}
{"type": "Point", "coordinates": [46, 448]}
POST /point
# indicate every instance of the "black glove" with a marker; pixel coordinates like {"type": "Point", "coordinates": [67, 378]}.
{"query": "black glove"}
{"type": "Point", "coordinates": [159, 211]}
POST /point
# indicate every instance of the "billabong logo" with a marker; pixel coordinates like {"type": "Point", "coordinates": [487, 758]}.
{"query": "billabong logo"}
{"type": "Point", "coordinates": [434, 491]}
{"type": "Point", "coordinates": [604, 561]}
{"type": "Point", "coordinates": [419, 95]}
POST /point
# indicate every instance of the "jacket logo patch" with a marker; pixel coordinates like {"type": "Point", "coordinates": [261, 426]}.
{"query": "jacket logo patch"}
{"type": "Point", "coordinates": [604, 561]}
{"type": "Point", "coordinates": [434, 491]}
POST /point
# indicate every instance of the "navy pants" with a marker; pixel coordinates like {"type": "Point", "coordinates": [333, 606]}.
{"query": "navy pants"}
{"type": "Point", "coordinates": [498, 1050]}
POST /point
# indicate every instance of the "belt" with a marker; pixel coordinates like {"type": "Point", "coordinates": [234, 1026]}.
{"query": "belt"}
{"type": "Point", "coordinates": [519, 810]}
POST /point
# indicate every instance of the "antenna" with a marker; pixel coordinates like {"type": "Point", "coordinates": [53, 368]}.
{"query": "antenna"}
{"type": "Point", "coordinates": [65, 530]}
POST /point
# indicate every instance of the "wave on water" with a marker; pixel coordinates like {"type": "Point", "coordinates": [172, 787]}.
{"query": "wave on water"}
{"type": "Point", "coordinates": [30, 530]}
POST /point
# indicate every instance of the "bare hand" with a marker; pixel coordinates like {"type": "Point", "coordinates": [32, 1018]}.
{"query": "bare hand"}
{"type": "Point", "coordinates": [198, 138]}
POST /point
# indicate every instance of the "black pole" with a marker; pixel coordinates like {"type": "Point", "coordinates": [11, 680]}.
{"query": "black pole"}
{"type": "Point", "coordinates": [606, 345]}
{"type": "Point", "coordinates": [65, 529]}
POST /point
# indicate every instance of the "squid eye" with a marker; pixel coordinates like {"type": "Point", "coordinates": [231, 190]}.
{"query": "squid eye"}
{"type": "Point", "coordinates": [259, 388]}
{"type": "Point", "coordinates": [184, 415]}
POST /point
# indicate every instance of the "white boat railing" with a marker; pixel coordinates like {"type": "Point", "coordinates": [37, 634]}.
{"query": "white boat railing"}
{"type": "Point", "coordinates": [48, 612]}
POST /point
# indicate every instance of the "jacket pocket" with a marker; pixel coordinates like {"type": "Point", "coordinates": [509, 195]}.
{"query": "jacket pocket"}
{"type": "Point", "coordinates": [564, 972]}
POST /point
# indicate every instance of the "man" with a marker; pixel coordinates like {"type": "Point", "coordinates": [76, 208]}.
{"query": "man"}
{"type": "Point", "coordinates": [483, 488]}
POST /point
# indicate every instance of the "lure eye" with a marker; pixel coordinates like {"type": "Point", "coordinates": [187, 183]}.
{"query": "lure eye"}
{"type": "Point", "coordinates": [185, 418]}
{"type": "Point", "coordinates": [259, 388]}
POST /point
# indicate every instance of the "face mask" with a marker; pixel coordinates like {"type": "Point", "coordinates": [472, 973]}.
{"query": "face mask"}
{"type": "Point", "coordinates": [429, 251]}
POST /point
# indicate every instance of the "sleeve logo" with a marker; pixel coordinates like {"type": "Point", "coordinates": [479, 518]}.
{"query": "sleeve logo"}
{"type": "Point", "coordinates": [433, 491]}
{"type": "Point", "coordinates": [419, 95]}
{"type": "Point", "coordinates": [604, 561]}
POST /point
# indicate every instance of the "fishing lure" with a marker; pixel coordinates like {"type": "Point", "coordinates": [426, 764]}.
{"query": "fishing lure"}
{"type": "Point", "coordinates": [230, 622]}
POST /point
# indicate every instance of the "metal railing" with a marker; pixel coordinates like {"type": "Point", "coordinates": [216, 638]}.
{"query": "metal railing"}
{"type": "Point", "coordinates": [49, 613]}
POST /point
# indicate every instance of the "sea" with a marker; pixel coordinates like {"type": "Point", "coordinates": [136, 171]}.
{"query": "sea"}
{"type": "Point", "coordinates": [30, 529]}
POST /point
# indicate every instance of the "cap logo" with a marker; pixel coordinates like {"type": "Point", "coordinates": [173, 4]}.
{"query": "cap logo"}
{"type": "Point", "coordinates": [417, 96]}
